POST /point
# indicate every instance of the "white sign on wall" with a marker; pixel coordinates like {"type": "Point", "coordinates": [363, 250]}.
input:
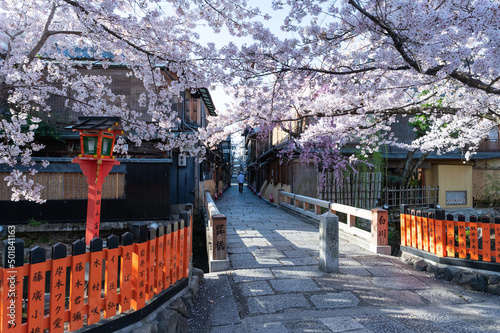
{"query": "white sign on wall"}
{"type": "Point", "coordinates": [456, 198]}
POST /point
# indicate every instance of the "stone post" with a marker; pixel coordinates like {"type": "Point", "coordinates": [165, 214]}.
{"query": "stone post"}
{"type": "Point", "coordinates": [329, 242]}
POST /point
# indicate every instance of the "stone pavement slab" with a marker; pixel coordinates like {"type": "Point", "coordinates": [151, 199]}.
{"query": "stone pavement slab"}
{"type": "Point", "coordinates": [275, 303]}
{"type": "Point", "coordinates": [275, 284]}
{"type": "Point", "coordinates": [343, 299]}
{"type": "Point", "coordinates": [341, 324]}
{"type": "Point", "coordinates": [258, 288]}
{"type": "Point", "coordinates": [294, 285]}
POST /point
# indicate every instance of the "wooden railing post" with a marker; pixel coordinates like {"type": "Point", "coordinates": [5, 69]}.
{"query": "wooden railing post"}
{"type": "Point", "coordinates": [351, 220]}
{"type": "Point", "coordinates": [12, 285]}
{"type": "Point", "coordinates": [279, 196]}
{"type": "Point", "coordinates": [379, 231]}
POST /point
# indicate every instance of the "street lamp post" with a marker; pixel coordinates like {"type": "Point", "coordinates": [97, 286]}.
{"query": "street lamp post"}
{"type": "Point", "coordinates": [97, 140]}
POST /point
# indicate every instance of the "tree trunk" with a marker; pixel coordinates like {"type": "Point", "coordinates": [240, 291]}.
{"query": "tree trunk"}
{"type": "Point", "coordinates": [411, 166]}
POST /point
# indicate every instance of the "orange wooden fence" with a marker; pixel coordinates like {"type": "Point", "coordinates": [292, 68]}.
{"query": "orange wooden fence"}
{"type": "Point", "coordinates": [67, 292]}
{"type": "Point", "coordinates": [476, 239]}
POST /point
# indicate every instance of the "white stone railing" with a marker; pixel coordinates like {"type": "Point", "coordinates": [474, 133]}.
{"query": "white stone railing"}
{"type": "Point", "coordinates": [376, 240]}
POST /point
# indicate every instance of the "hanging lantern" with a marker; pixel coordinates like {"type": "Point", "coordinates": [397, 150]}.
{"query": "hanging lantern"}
{"type": "Point", "coordinates": [97, 136]}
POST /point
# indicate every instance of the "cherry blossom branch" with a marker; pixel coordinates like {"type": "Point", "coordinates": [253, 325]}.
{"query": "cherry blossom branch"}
{"type": "Point", "coordinates": [399, 45]}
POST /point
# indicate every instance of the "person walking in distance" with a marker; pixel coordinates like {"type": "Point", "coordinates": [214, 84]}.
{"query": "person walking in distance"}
{"type": "Point", "coordinates": [241, 180]}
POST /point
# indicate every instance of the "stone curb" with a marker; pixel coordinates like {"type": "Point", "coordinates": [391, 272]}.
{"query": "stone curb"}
{"type": "Point", "coordinates": [470, 279]}
{"type": "Point", "coordinates": [173, 316]}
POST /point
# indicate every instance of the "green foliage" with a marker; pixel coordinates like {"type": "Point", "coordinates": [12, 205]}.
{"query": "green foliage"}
{"type": "Point", "coordinates": [34, 222]}
{"type": "Point", "coordinates": [437, 104]}
{"type": "Point", "coordinates": [490, 196]}
{"type": "Point", "coordinates": [415, 182]}
{"type": "Point", "coordinates": [421, 124]}
{"type": "Point", "coordinates": [46, 129]}
{"type": "Point", "coordinates": [492, 183]}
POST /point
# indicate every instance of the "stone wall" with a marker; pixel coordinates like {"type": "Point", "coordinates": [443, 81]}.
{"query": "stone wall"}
{"type": "Point", "coordinates": [273, 189]}
{"type": "Point", "coordinates": [208, 185]}
{"type": "Point", "coordinates": [471, 279]}
{"type": "Point", "coordinates": [171, 317]}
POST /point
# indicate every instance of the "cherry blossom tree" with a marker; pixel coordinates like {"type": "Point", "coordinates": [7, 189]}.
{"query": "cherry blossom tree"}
{"type": "Point", "coordinates": [38, 39]}
{"type": "Point", "coordinates": [352, 67]}
{"type": "Point", "coordinates": [358, 66]}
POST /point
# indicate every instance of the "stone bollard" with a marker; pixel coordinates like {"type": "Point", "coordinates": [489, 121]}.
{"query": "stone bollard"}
{"type": "Point", "coordinates": [329, 243]}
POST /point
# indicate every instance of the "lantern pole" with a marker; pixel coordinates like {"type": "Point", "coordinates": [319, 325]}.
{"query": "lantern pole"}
{"type": "Point", "coordinates": [96, 171]}
{"type": "Point", "coordinates": [97, 138]}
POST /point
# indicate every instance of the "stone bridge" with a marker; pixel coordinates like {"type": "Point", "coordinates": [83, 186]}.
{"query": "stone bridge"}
{"type": "Point", "coordinates": [274, 284]}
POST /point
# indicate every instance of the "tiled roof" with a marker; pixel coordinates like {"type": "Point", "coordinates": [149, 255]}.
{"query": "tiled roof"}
{"type": "Point", "coordinates": [98, 123]}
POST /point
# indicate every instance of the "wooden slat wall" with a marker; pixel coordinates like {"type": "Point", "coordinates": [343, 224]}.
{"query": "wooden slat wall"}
{"type": "Point", "coordinates": [362, 189]}
{"type": "Point", "coordinates": [68, 186]}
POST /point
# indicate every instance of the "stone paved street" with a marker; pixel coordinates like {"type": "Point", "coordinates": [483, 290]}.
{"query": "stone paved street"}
{"type": "Point", "coordinates": [275, 284]}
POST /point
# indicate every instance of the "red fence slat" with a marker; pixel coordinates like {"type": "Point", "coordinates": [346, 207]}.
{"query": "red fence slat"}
{"type": "Point", "coordinates": [497, 239]}
{"type": "Point", "coordinates": [473, 235]}
{"type": "Point", "coordinates": [486, 238]}
{"type": "Point", "coordinates": [127, 250]}
{"type": "Point", "coordinates": [462, 252]}
{"type": "Point", "coordinates": [151, 258]}
{"type": "Point", "coordinates": [94, 288]}
{"type": "Point", "coordinates": [160, 259]}
{"type": "Point", "coordinates": [450, 236]}
{"type": "Point", "coordinates": [58, 288]}
{"type": "Point", "coordinates": [432, 233]}
{"type": "Point", "coordinates": [425, 232]}
{"type": "Point", "coordinates": [88, 286]}
{"type": "Point", "coordinates": [419, 229]}
{"type": "Point", "coordinates": [111, 276]}
{"type": "Point", "coordinates": [413, 229]}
